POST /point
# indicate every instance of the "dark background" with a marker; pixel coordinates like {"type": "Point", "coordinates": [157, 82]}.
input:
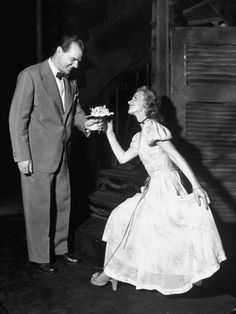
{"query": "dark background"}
{"type": "Point", "coordinates": [57, 17]}
{"type": "Point", "coordinates": [18, 48]}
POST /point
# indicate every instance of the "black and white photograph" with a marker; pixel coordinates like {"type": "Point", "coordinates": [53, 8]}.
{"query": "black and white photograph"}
{"type": "Point", "coordinates": [118, 157]}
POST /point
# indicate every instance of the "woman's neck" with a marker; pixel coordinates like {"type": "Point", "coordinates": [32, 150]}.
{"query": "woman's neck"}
{"type": "Point", "coordinates": [141, 117]}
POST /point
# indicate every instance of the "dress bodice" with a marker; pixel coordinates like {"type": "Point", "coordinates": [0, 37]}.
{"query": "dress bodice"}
{"type": "Point", "coordinates": [146, 143]}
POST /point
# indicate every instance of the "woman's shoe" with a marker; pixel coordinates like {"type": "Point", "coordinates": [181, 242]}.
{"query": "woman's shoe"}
{"type": "Point", "coordinates": [101, 279]}
{"type": "Point", "coordinates": [198, 283]}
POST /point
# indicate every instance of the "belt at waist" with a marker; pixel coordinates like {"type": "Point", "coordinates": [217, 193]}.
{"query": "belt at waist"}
{"type": "Point", "coordinates": [158, 171]}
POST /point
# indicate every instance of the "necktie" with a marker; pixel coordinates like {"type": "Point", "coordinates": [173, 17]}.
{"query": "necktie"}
{"type": "Point", "coordinates": [61, 88]}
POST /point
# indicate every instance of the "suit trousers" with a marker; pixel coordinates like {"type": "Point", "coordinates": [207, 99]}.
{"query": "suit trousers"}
{"type": "Point", "coordinates": [46, 202]}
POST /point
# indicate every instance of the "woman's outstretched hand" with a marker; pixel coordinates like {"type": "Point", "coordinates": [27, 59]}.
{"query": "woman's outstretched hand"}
{"type": "Point", "coordinates": [201, 197]}
{"type": "Point", "coordinates": [108, 127]}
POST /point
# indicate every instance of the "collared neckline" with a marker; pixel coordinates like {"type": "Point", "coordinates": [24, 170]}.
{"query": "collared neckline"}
{"type": "Point", "coordinates": [142, 122]}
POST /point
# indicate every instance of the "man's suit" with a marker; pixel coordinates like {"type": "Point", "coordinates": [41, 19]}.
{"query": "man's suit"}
{"type": "Point", "coordinates": [40, 131]}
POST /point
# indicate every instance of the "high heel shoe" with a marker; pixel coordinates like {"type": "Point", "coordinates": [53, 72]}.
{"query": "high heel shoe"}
{"type": "Point", "coordinates": [101, 279]}
{"type": "Point", "coordinates": [198, 283]}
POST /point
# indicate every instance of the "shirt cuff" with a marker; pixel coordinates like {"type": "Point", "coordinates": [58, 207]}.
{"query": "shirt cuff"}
{"type": "Point", "coordinates": [87, 132]}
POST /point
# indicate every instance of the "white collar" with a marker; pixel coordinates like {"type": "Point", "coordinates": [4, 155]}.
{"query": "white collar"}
{"type": "Point", "coordinates": [53, 68]}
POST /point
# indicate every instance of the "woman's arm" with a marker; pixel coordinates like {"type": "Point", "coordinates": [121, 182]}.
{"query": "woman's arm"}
{"type": "Point", "coordinates": [178, 159]}
{"type": "Point", "coordinates": [121, 155]}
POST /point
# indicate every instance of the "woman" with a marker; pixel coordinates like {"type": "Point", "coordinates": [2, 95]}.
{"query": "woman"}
{"type": "Point", "coordinates": [162, 238]}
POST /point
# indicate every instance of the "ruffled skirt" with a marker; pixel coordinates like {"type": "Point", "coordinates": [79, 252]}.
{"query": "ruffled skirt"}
{"type": "Point", "coordinates": [161, 239]}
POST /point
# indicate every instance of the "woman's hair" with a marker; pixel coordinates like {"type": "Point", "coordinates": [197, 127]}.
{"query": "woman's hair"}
{"type": "Point", "coordinates": [152, 105]}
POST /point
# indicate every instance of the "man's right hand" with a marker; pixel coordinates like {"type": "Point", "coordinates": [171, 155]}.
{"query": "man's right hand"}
{"type": "Point", "coordinates": [94, 124]}
{"type": "Point", "coordinates": [25, 167]}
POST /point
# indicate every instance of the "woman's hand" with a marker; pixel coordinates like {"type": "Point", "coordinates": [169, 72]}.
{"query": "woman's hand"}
{"type": "Point", "coordinates": [108, 127]}
{"type": "Point", "coordinates": [201, 196]}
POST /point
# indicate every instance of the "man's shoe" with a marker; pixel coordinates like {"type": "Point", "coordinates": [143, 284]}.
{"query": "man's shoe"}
{"type": "Point", "coordinates": [46, 268]}
{"type": "Point", "coordinates": [69, 259]}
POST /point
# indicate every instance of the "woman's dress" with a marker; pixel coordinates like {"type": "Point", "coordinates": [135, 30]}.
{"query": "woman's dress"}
{"type": "Point", "coordinates": [161, 238]}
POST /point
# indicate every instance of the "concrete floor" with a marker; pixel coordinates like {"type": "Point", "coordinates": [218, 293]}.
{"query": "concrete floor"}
{"type": "Point", "coordinates": [25, 291]}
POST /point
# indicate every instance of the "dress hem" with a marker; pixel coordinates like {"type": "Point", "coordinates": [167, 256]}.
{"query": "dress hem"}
{"type": "Point", "coordinates": [184, 289]}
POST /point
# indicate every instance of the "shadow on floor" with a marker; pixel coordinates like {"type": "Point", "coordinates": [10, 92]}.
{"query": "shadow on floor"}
{"type": "Point", "coordinates": [25, 291]}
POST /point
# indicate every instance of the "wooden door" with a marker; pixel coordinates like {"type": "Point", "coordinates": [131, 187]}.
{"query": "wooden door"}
{"type": "Point", "coordinates": [203, 92]}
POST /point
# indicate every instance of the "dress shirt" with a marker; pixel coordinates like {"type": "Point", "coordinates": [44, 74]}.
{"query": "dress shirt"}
{"type": "Point", "coordinates": [60, 83]}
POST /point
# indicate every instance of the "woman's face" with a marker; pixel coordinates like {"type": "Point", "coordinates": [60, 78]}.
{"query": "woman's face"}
{"type": "Point", "coordinates": [136, 104]}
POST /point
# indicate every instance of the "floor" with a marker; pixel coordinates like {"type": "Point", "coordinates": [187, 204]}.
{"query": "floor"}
{"type": "Point", "coordinates": [23, 290]}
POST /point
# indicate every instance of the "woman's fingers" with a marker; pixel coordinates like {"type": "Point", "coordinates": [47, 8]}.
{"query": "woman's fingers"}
{"type": "Point", "coordinates": [201, 197]}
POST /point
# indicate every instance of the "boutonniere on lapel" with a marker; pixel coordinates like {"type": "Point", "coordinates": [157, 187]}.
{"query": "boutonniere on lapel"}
{"type": "Point", "coordinates": [76, 95]}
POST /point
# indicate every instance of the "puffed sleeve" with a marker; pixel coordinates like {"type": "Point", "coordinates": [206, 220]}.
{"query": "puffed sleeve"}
{"type": "Point", "coordinates": [155, 132]}
{"type": "Point", "coordinates": [135, 141]}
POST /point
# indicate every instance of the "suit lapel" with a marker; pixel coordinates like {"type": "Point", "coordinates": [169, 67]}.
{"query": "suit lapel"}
{"type": "Point", "coordinates": [50, 84]}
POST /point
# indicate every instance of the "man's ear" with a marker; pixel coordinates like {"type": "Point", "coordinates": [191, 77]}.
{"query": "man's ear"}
{"type": "Point", "coordinates": [59, 50]}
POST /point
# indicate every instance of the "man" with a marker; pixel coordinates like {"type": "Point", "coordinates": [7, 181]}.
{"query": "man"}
{"type": "Point", "coordinates": [43, 111]}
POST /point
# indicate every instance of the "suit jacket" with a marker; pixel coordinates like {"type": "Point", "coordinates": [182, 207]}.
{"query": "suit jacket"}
{"type": "Point", "coordinates": [40, 130]}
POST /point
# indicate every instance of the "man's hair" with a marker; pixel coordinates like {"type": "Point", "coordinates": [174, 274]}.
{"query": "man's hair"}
{"type": "Point", "coordinates": [66, 40]}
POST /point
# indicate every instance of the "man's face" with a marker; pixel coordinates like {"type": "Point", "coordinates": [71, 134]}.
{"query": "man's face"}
{"type": "Point", "coordinates": [69, 59]}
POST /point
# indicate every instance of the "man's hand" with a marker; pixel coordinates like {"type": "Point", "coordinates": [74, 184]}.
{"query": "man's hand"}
{"type": "Point", "coordinates": [94, 124]}
{"type": "Point", "coordinates": [25, 167]}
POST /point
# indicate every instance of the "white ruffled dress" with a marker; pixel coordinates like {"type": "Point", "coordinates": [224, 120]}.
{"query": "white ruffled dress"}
{"type": "Point", "coordinates": [160, 238]}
